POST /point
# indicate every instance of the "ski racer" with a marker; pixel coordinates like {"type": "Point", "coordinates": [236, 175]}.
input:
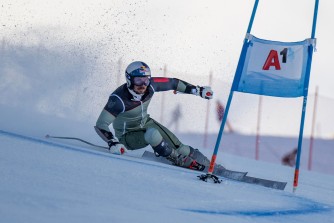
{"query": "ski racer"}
{"type": "Point", "coordinates": [134, 129]}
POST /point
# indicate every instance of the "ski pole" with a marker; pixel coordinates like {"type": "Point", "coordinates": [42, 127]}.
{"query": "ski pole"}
{"type": "Point", "coordinates": [78, 139]}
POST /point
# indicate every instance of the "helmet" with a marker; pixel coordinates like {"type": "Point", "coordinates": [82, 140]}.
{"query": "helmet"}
{"type": "Point", "coordinates": [137, 69]}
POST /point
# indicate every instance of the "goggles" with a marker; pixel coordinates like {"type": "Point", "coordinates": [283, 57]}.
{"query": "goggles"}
{"type": "Point", "coordinates": [140, 81]}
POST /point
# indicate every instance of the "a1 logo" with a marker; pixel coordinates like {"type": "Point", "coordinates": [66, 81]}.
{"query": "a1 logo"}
{"type": "Point", "coordinates": [273, 60]}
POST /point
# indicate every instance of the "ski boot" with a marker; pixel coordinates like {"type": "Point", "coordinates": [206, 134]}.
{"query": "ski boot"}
{"type": "Point", "coordinates": [195, 160]}
{"type": "Point", "coordinates": [184, 161]}
{"type": "Point", "coordinates": [162, 149]}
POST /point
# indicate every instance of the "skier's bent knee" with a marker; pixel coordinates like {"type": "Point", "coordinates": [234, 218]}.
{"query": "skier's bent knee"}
{"type": "Point", "coordinates": [154, 138]}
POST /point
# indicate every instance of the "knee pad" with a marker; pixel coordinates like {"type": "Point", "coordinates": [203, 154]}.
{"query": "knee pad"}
{"type": "Point", "coordinates": [153, 137]}
{"type": "Point", "coordinates": [162, 149]}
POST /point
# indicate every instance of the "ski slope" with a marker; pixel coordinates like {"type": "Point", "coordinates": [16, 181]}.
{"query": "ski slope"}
{"type": "Point", "coordinates": [58, 68]}
{"type": "Point", "coordinates": [44, 180]}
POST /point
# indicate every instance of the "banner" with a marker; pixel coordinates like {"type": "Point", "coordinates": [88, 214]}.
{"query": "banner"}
{"type": "Point", "coordinates": [272, 68]}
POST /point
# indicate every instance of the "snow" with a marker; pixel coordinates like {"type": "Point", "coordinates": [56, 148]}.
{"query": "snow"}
{"type": "Point", "coordinates": [46, 180]}
{"type": "Point", "coordinates": [58, 69]}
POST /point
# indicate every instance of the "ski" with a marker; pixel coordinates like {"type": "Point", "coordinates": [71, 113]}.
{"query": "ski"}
{"type": "Point", "coordinates": [263, 182]}
{"type": "Point", "coordinates": [226, 173]}
{"type": "Point", "coordinates": [219, 170]}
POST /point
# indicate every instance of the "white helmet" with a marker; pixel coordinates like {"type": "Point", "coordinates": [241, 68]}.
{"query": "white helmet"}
{"type": "Point", "coordinates": [137, 69]}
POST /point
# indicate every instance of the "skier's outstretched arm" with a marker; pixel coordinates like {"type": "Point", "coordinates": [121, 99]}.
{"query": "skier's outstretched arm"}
{"type": "Point", "coordinates": [165, 84]}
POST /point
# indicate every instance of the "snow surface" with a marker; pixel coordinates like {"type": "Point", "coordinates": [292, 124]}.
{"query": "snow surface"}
{"type": "Point", "coordinates": [45, 180]}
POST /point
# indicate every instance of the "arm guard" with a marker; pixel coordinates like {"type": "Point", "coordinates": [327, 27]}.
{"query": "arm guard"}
{"type": "Point", "coordinates": [102, 125]}
{"type": "Point", "coordinates": [166, 84]}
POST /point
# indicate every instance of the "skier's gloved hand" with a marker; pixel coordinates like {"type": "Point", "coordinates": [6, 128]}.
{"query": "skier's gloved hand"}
{"type": "Point", "coordinates": [116, 147]}
{"type": "Point", "coordinates": [204, 92]}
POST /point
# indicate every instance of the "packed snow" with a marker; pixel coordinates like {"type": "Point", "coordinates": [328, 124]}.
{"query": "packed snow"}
{"type": "Point", "coordinates": [49, 180]}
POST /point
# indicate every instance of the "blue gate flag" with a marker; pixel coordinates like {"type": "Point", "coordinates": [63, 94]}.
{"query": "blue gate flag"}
{"type": "Point", "coordinates": [273, 68]}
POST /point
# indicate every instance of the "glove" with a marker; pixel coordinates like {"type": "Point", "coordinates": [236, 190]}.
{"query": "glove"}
{"type": "Point", "coordinates": [116, 147]}
{"type": "Point", "coordinates": [204, 92]}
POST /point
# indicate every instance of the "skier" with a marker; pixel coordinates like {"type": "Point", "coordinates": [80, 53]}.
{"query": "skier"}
{"type": "Point", "coordinates": [134, 129]}
{"type": "Point", "coordinates": [289, 159]}
{"type": "Point", "coordinates": [220, 113]}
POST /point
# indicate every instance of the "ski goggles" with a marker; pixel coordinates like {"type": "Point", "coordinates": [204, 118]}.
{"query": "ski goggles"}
{"type": "Point", "coordinates": [140, 81]}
